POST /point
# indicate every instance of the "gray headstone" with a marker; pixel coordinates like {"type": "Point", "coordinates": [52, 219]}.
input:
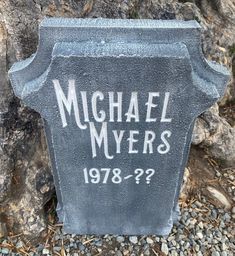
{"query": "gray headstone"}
{"type": "Point", "coordinates": [118, 99]}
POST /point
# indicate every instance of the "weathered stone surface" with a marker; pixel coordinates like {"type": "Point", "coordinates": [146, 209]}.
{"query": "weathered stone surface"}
{"type": "Point", "coordinates": [20, 20]}
{"type": "Point", "coordinates": [137, 59]}
{"type": "Point", "coordinates": [215, 133]}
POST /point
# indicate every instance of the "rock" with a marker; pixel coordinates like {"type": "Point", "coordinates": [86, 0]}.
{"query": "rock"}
{"type": "Point", "coordinates": [199, 234]}
{"type": "Point", "coordinates": [98, 243]}
{"type": "Point", "coordinates": [226, 217]}
{"type": "Point", "coordinates": [224, 247]}
{"type": "Point", "coordinates": [233, 209]}
{"type": "Point", "coordinates": [215, 253]}
{"type": "Point", "coordinates": [164, 248]}
{"type": "Point", "coordinates": [200, 133]}
{"type": "Point", "coordinates": [45, 251]}
{"type": "Point", "coordinates": [120, 239]}
{"type": "Point", "coordinates": [125, 252]}
{"type": "Point", "coordinates": [57, 248]}
{"type": "Point", "coordinates": [133, 239]}
{"type": "Point", "coordinates": [5, 251]}
{"type": "Point", "coordinates": [118, 253]}
{"type": "Point", "coordinates": [198, 204]}
{"type": "Point", "coordinates": [219, 196]}
{"type": "Point", "coordinates": [174, 253]}
{"type": "Point", "coordinates": [149, 240]}
{"type": "Point", "coordinates": [19, 244]}
{"type": "Point", "coordinates": [3, 229]}
{"type": "Point", "coordinates": [200, 224]}
{"type": "Point", "coordinates": [218, 136]}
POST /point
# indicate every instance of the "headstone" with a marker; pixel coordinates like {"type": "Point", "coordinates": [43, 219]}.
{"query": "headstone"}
{"type": "Point", "coordinates": [118, 99]}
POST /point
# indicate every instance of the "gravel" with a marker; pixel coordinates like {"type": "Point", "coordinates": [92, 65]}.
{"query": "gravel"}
{"type": "Point", "coordinates": [204, 230]}
{"type": "Point", "coordinates": [133, 239]}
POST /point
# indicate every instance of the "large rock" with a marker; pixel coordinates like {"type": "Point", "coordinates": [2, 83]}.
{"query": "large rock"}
{"type": "Point", "coordinates": [216, 134]}
{"type": "Point", "coordinates": [25, 177]}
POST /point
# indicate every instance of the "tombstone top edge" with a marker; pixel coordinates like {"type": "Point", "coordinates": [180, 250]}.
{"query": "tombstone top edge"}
{"type": "Point", "coordinates": [94, 49]}
{"type": "Point", "coordinates": [119, 23]}
{"type": "Point", "coordinates": [68, 30]}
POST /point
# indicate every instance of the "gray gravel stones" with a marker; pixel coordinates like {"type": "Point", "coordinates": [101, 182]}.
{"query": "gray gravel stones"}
{"type": "Point", "coordinates": [209, 231]}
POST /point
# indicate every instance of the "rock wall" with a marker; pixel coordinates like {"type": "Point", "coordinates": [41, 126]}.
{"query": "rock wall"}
{"type": "Point", "coordinates": [26, 182]}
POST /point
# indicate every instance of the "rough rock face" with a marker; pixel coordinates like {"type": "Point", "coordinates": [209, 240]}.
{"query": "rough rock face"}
{"type": "Point", "coordinates": [216, 134]}
{"type": "Point", "coordinates": [26, 182]}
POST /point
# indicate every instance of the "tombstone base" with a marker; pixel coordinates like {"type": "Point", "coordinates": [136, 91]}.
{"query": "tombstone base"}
{"type": "Point", "coordinates": [130, 230]}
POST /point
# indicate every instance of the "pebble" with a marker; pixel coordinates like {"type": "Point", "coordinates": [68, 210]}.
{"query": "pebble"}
{"type": "Point", "coordinates": [157, 239]}
{"type": "Point", "coordinates": [5, 251]}
{"type": "Point", "coordinates": [224, 247]}
{"type": "Point", "coordinates": [198, 204]}
{"type": "Point", "coordinates": [118, 253]}
{"type": "Point", "coordinates": [197, 248]}
{"type": "Point", "coordinates": [200, 235]}
{"type": "Point", "coordinates": [57, 248]}
{"type": "Point", "coordinates": [214, 214]}
{"type": "Point", "coordinates": [233, 209]}
{"type": "Point", "coordinates": [125, 252]}
{"type": "Point", "coordinates": [164, 248]}
{"type": "Point", "coordinates": [226, 217]}
{"type": "Point", "coordinates": [149, 240]}
{"type": "Point", "coordinates": [170, 238]}
{"type": "Point", "coordinates": [215, 253]}
{"type": "Point", "coordinates": [45, 251]}
{"type": "Point", "coordinates": [98, 243]}
{"type": "Point", "coordinates": [19, 244]}
{"type": "Point", "coordinates": [133, 239]}
{"type": "Point", "coordinates": [147, 252]}
{"type": "Point", "coordinates": [120, 239]}
{"type": "Point", "coordinates": [200, 224]}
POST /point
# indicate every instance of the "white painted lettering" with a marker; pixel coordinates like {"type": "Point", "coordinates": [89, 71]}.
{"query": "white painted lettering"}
{"type": "Point", "coordinates": [133, 110]}
{"type": "Point", "coordinates": [95, 138]}
{"type": "Point", "coordinates": [148, 142]}
{"type": "Point", "coordinates": [95, 96]}
{"type": "Point", "coordinates": [85, 106]}
{"type": "Point", "coordinates": [132, 141]}
{"type": "Point", "coordinates": [118, 139]}
{"type": "Point", "coordinates": [150, 105]}
{"type": "Point", "coordinates": [117, 105]}
{"type": "Point", "coordinates": [68, 102]}
{"type": "Point", "coordinates": [165, 147]}
{"type": "Point", "coordinates": [165, 104]}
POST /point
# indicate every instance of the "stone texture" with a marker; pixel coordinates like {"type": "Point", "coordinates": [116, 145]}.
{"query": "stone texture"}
{"type": "Point", "coordinates": [104, 58]}
{"type": "Point", "coordinates": [216, 134]}
{"type": "Point", "coordinates": [20, 127]}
